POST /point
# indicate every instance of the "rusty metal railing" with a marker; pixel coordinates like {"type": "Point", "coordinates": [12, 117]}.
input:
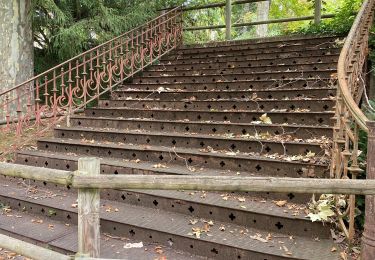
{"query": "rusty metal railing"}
{"type": "Point", "coordinates": [72, 85]}
{"type": "Point", "coordinates": [349, 118]}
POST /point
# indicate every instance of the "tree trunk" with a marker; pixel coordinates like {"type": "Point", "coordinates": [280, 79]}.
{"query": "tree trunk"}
{"type": "Point", "coordinates": [263, 9]}
{"type": "Point", "coordinates": [16, 44]}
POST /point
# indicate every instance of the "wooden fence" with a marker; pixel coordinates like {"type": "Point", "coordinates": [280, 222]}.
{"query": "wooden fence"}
{"type": "Point", "coordinates": [88, 181]}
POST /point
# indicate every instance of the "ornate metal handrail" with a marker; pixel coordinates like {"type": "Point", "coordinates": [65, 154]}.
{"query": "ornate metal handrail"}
{"type": "Point", "coordinates": [73, 84]}
{"type": "Point", "coordinates": [349, 118]}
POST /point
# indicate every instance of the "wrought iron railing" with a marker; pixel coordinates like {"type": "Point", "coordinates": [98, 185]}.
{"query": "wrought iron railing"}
{"type": "Point", "coordinates": [349, 118]}
{"type": "Point", "coordinates": [72, 85]}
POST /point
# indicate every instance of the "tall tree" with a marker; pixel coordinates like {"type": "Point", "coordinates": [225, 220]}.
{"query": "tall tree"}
{"type": "Point", "coordinates": [16, 44]}
{"type": "Point", "coordinates": [263, 10]}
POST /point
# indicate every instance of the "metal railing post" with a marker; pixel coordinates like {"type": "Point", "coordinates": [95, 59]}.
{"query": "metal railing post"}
{"type": "Point", "coordinates": [228, 20]}
{"type": "Point", "coordinates": [88, 211]}
{"type": "Point", "coordinates": [318, 11]}
{"type": "Point", "coordinates": [368, 238]}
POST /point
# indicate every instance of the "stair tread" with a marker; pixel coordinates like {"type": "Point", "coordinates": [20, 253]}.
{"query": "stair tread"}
{"type": "Point", "coordinates": [57, 235]}
{"type": "Point", "coordinates": [235, 53]}
{"type": "Point", "coordinates": [178, 90]}
{"type": "Point", "coordinates": [186, 151]}
{"type": "Point", "coordinates": [244, 138]}
{"type": "Point", "coordinates": [294, 125]}
{"type": "Point", "coordinates": [275, 39]}
{"type": "Point", "coordinates": [272, 81]}
{"type": "Point", "coordinates": [132, 164]}
{"type": "Point", "coordinates": [276, 65]}
{"type": "Point", "coordinates": [234, 74]}
{"type": "Point", "coordinates": [179, 224]}
{"type": "Point", "coordinates": [210, 111]}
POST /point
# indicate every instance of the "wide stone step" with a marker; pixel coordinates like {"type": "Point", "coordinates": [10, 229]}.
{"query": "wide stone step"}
{"type": "Point", "coordinates": [266, 143]}
{"type": "Point", "coordinates": [272, 42]}
{"type": "Point", "coordinates": [249, 51]}
{"type": "Point", "coordinates": [174, 229]}
{"type": "Point", "coordinates": [256, 56]}
{"type": "Point", "coordinates": [220, 127]}
{"type": "Point", "coordinates": [222, 94]}
{"type": "Point", "coordinates": [254, 85]}
{"type": "Point", "coordinates": [69, 161]}
{"type": "Point", "coordinates": [281, 76]}
{"type": "Point", "coordinates": [174, 70]}
{"type": "Point", "coordinates": [233, 116]}
{"type": "Point", "coordinates": [288, 166]}
{"type": "Point", "coordinates": [288, 105]}
{"type": "Point", "coordinates": [246, 64]}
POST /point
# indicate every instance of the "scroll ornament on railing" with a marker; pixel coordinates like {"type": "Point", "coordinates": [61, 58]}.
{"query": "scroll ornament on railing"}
{"type": "Point", "coordinates": [72, 85]}
{"type": "Point", "coordinates": [349, 118]}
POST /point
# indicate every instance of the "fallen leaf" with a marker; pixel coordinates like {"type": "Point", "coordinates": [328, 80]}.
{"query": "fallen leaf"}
{"type": "Point", "coordinates": [265, 119]}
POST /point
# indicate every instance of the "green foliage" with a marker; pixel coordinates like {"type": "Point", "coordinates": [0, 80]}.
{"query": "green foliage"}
{"type": "Point", "coordinates": [339, 25]}
{"type": "Point", "coordinates": [65, 28]}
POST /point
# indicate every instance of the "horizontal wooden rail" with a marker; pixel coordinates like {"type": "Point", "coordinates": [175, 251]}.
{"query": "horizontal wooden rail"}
{"type": "Point", "coordinates": [282, 20]}
{"type": "Point", "coordinates": [37, 173]}
{"type": "Point", "coordinates": [208, 183]}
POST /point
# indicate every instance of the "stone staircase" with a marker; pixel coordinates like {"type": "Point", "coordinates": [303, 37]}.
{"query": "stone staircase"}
{"type": "Point", "coordinates": [242, 108]}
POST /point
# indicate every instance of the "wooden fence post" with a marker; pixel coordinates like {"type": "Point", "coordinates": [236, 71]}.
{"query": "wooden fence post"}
{"type": "Point", "coordinates": [88, 211]}
{"type": "Point", "coordinates": [228, 20]}
{"type": "Point", "coordinates": [318, 11]}
{"type": "Point", "coordinates": [368, 238]}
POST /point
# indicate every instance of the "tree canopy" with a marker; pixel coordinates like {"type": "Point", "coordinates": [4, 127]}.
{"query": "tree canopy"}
{"type": "Point", "coordinates": [64, 28]}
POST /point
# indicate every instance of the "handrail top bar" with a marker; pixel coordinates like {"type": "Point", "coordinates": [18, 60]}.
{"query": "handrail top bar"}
{"type": "Point", "coordinates": [280, 20]}
{"type": "Point", "coordinates": [357, 113]}
{"type": "Point", "coordinates": [213, 5]}
{"type": "Point", "coordinates": [168, 182]}
{"type": "Point", "coordinates": [88, 51]}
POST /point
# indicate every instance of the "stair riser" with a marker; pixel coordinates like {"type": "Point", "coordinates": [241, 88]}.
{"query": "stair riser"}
{"type": "Point", "coordinates": [247, 52]}
{"type": "Point", "coordinates": [64, 164]}
{"type": "Point", "coordinates": [281, 76]}
{"type": "Point", "coordinates": [234, 117]}
{"type": "Point", "coordinates": [240, 45]}
{"type": "Point", "coordinates": [291, 94]}
{"type": "Point", "coordinates": [196, 160]}
{"type": "Point", "coordinates": [290, 105]}
{"type": "Point", "coordinates": [192, 142]}
{"type": "Point", "coordinates": [246, 70]}
{"type": "Point", "coordinates": [333, 59]}
{"type": "Point", "coordinates": [256, 56]}
{"type": "Point", "coordinates": [185, 127]}
{"type": "Point", "coordinates": [184, 243]}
